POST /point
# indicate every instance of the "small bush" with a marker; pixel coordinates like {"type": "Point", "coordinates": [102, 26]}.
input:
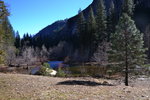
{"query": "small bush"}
{"type": "Point", "coordinates": [45, 70]}
{"type": "Point", "coordinates": [47, 65]}
{"type": "Point", "coordinates": [109, 72]}
{"type": "Point", "coordinates": [60, 73]}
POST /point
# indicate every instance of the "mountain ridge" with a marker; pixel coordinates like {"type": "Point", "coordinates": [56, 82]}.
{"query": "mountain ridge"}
{"type": "Point", "coordinates": [65, 29]}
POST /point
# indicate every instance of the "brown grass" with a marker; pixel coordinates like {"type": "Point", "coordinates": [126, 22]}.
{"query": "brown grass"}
{"type": "Point", "coordinates": [28, 87]}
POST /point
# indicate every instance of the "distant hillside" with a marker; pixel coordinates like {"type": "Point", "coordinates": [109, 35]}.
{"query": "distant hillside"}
{"type": "Point", "coordinates": [66, 30]}
{"type": "Point", "coordinates": [50, 32]}
{"type": "Point", "coordinates": [53, 28]}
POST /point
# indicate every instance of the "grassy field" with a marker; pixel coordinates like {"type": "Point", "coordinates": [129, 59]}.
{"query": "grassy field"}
{"type": "Point", "coordinates": [28, 87]}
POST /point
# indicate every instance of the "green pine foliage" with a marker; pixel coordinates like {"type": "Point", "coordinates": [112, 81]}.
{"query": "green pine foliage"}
{"type": "Point", "coordinates": [91, 27]}
{"type": "Point", "coordinates": [91, 32]}
{"type": "Point", "coordinates": [128, 7]}
{"type": "Point", "coordinates": [3, 14]}
{"type": "Point", "coordinates": [127, 34]}
{"type": "Point", "coordinates": [1, 45]}
{"type": "Point", "coordinates": [26, 41]}
{"type": "Point", "coordinates": [9, 37]}
{"type": "Point", "coordinates": [111, 21]}
{"type": "Point", "coordinates": [17, 40]}
{"type": "Point", "coordinates": [81, 25]}
{"type": "Point", "coordinates": [127, 45]}
{"type": "Point", "coordinates": [60, 73]}
{"type": "Point", "coordinates": [6, 32]}
{"type": "Point", "coordinates": [101, 33]}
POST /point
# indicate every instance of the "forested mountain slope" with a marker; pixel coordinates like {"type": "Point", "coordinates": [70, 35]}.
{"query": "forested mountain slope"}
{"type": "Point", "coordinates": [66, 29]}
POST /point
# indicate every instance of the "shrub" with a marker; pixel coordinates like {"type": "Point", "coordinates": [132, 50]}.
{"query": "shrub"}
{"type": "Point", "coordinates": [60, 73]}
{"type": "Point", "coordinates": [47, 65]}
{"type": "Point", "coordinates": [109, 72]}
{"type": "Point", "coordinates": [45, 70]}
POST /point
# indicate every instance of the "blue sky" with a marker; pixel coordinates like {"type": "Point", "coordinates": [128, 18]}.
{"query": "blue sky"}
{"type": "Point", "coordinates": [33, 15]}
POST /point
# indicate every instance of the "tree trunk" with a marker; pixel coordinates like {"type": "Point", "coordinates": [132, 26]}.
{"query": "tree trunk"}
{"type": "Point", "coordinates": [126, 74]}
{"type": "Point", "coordinates": [126, 60]}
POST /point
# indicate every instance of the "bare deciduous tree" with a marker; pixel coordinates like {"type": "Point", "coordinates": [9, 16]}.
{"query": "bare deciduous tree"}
{"type": "Point", "coordinates": [10, 57]}
{"type": "Point", "coordinates": [28, 56]}
{"type": "Point", "coordinates": [18, 61]}
{"type": "Point", "coordinates": [44, 54]}
{"type": "Point", "coordinates": [101, 55]}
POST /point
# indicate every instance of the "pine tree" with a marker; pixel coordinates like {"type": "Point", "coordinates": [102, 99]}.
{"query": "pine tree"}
{"type": "Point", "coordinates": [111, 20]}
{"type": "Point", "coordinates": [81, 25]}
{"type": "Point", "coordinates": [127, 45]}
{"type": "Point", "coordinates": [91, 31]}
{"type": "Point", "coordinates": [26, 41]}
{"type": "Point", "coordinates": [101, 22]}
{"type": "Point", "coordinates": [17, 40]}
{"type": "Point", "coordinates": [6, 32]}
{"type": "Point", "coordinates": [3, 14]}
{"type": "Point", "coordinates": [128, 7]}
{"type": "Point", "coordinates": [3, 11]}
{"type": "Point", "coordinates": [9, 36]}
{"type": "Point", "coordinates": [2, 53]}
{"type": "Point", "coordinates": [91, 26]}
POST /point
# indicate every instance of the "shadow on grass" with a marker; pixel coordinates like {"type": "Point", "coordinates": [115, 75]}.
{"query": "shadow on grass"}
{"type": "Point", "coordinates": [85, 83]}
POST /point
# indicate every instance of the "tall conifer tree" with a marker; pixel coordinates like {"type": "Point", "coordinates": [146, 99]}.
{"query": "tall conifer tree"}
{"type": "Point", "coordinates": [9, 32]}
{"type": "Point", "coordinates": [91, 31]}
{"type": "Point", "coordinates": [3, 14]}
{"type": "Point", "coordinates": [127, 45]}
{"type": "Point", "coordinates": [128, 7]}
{"type": "Point", "coordinates": [111, 20]}
{"type": "Point", "coordinates": [6, 32]}
{"type": "Point", "coordinates": [81, 25]}
{"type": "Point", "coordinates": [101, 34]}
{"type": "Point", "coordinates": [17, 40]}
